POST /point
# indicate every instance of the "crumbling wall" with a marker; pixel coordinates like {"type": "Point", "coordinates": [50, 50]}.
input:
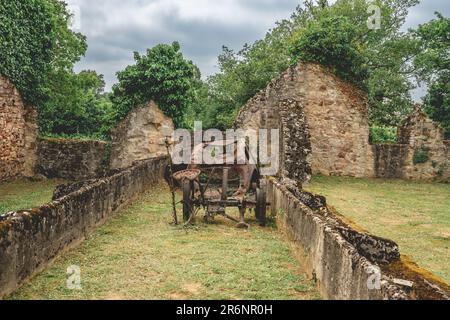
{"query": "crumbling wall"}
{"type": "Point", "coordinates": [18, 132]}
{"type": "Point", "coordinates": [295, 160]}
{"type": "Point", "coordinates": [30, 239]}
{"type": "Point", "coordinates": [336, 115]}
{"type": "Point", "coordinates": [422, 152]}
{"type": "Point", "coordinates": [390, 160]}
{"type": "Point", "coordinates": [71, 159]}
{"type": "Point", "coordinates": [424, 136]}
{"type": "Point", "coordinates": [141, 135]}
{"type": "Point", "coordinates": [348, 264]}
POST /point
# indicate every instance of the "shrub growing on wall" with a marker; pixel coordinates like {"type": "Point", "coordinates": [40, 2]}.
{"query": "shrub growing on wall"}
{"type": "Point", "coordinates": [162, 75]}
{"type": "Point", "coordinates": [332, 42]}
{"type": "Point", "coordinates": [421, 155]}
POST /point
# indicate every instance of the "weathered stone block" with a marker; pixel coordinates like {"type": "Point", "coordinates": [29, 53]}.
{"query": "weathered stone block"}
{"type": "Point", "coordinates": [141, 135]}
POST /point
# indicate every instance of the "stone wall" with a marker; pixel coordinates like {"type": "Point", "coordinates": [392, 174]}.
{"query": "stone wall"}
{"type": "Point", "coordinates": [336, 115]}
{"type": "Point", "coordinates": [422, 152]}
{"type": "Point", "coordinates": [390, 160]}
{"type": "Point", "coordinates": [342, 259]}
{"type": "Point", "coordinates": [30, 239]}
{"type": "Point", "coordinates": [295, 147]}
{"type": "Point", "coordinates": [18, 132]}
{"type": "Point", "coordinates": [71, 159]}
{"type": "Point", "coordinates": [141, 135]}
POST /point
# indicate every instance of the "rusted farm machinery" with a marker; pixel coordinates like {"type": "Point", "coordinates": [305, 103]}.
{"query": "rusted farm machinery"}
{"type": "Point", "coordinates": [215, 188]}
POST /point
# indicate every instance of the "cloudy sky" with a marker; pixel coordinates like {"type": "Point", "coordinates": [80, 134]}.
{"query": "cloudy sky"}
{"type": "Point", "coordinates": [116, 28]}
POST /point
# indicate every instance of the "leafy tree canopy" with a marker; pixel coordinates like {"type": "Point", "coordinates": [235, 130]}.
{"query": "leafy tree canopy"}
{"type": "Point", "coordinates": [433, 58]}
{"type": "Point", "coordinates": [162, 75]}
{"type": "Point", "coordinates": [76, 105]}
{"type": "Point", "coordinates": [433, 67]}
{"type": "Point", "coordinates": [36, 41]}
{"type": "Point", "coordinates": [336, 35]}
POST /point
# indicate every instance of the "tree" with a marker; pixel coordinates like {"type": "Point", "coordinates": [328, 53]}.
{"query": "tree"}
{"type": "Point", "coordinates": [36, 41]}
{"type": "Point", "coordinates": [76, 105]}
{"type": "Point", "coordinates": [433, 67]}
{"type": "Point", "coordinates": [433, 59]}
{"type": "Point", "coordinates": [332, 42]}
{"type": "Point", "coordinates": [376, 60]}
{"type": "Point", "coordinates": [437, 101]}
{"type": "Point", "coordinates": [162, 75]}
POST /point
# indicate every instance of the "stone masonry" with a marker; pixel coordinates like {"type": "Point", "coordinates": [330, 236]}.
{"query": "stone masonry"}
{"type": "Point", "coordinates": [141, 135]}
{"type": "Point", "coordinates": [336, 115]}
{"type": "Point", "coordinates": [417, 136]}
{"type": "Point", "coordinates": [71, 159]}
{"type": "Point", "coordinates": [18, 132]}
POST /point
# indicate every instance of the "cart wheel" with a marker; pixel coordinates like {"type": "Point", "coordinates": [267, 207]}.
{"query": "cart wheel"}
{"type": "Point", "coordinates": [187, 201]}
{"type": "Point", "coordinates": [261, 206]}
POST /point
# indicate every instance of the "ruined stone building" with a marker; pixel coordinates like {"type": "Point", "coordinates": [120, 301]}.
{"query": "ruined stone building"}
{"type": "Point", "coordinates": [18, 132]}
{"type": "Point", "coordinates": [335, 112]}
{"type": "Point", "coordinates": [325, 130]}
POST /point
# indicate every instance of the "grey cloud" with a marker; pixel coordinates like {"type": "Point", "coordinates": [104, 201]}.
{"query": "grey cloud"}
{"type": "Point", "coordinates": [117, 28]}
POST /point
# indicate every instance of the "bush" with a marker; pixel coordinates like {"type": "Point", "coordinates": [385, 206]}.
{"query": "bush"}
{"type": "Point", "coordinates": [447, 135]}
{"type": "Point", "coordinates": [162, 75]}
{"type": "Point", "coordinates": [383, 135]}
{"type": "Point", "coordinates": [332, 42]}
{"type": "Point", "coordinates": [421, 155]}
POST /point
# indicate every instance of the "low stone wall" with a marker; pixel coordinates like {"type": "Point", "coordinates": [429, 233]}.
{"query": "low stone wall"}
{"type": "Point", "coordinates": [343, 260]}
{"type": "Point", "coordinates": [71, 159]}
{"type": "Point", "coordinates": [30, 239]}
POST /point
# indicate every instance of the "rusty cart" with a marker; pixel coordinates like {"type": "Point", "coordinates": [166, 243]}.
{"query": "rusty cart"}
{"type": "Point", "coordinates": [215, 188]}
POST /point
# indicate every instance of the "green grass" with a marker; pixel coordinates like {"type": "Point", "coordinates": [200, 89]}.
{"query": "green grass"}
{"type": "Point", "coordinates": [24, 194]}
{"type": "Point", "coordinates": [414, 214]}
{"type": "Point", "coordinates": [139, 255]}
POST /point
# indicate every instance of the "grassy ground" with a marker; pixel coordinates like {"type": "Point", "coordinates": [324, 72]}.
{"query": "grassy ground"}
{"type": "Point", "coordinates": [414, 214]}
{"type": "Point", "coordinates": [138, 255]}
{"type": "Point", "coordinates": [24, 194]}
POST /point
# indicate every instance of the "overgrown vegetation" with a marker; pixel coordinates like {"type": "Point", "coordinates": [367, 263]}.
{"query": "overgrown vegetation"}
{"type": "Point", "coordinates": [414, 214]}
{"type": "Point", "coordinates": [433, 64]}
{"type": "Point", "coordinates": [335, 35]}
{"type": "Point", "coordinates": [421, 155]}
{"type": "Point", "coordinates": [36, 42]}
{"type": "Point", "coordinates": [379, 134]}
{"type": "Point", "coordinates": [77, 106]}
{"type": "Point", "coordinates": [386, 63]}
{"type": "Point", "coordinates": [38, 53]}
{"type": "Point", "coordinates": [162, 75]}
